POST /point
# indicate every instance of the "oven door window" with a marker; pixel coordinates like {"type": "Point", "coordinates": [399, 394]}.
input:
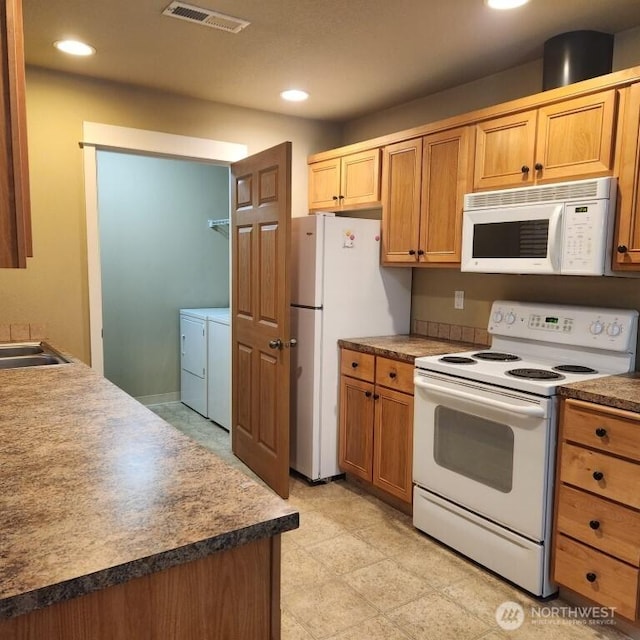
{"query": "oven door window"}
{"type": "Point", "coordinates": [474, 447]}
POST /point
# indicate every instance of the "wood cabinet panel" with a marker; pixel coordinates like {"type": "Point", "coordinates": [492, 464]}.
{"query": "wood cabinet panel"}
{"type": "Point", "coordinates": [627, 244]}
{"type": "Point", "coordinates": [349, 182]}
{"type": "Point", "coordinates": [357, 364]}
{"type": "Point", "coordinates": [609, 430]}
{"type": "Point", "coordinates": [619, 479]}
{"type": "Point", "coordinates": [356, 427]}
{"type": "Point", "coordinates": [590, 573]}
{"type": "Point", "coordinates": [393, 443]}
{"type": "Point", "coordinates": [446, 177]}
{"type": "Point", "coordinates": [15, 217]}
{"type": "Point", "coordinates": [401, 175]}
{"type": "Point", "coordinates": [599, 523]}
{"type": "Point", "coordinates": [503, 147]}
{"type": "Point", "coordinates": [394, 374]}
{"type": "Point", "coordinates": [575, 138]}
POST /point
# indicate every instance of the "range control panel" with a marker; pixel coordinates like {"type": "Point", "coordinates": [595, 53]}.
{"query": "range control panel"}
{"type": "Point", "coordinates": [611, 329]}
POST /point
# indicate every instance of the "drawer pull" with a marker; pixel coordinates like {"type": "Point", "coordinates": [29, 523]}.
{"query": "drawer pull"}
{"type": "Point", "coordinates": [601, 432]}
{"type": "Point", "coordinates": [392, 374]}
{"type": "Point", "coordinates": [598, 475]}
{"type": "Point", "coordinates": [354, 365]}
{"type": "Point", "coordinates": [591, 577]}
{"type": "Point", "coordinates": [594, 524]}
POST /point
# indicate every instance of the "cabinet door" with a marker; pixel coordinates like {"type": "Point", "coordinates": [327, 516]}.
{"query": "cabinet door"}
{"type": "Point", "coordinates": [393, 442]}
{"type": "Point", "coordinates": [360, 179]}
{"type": "Point", "coordinates": [324, 184]}
{"type": "Point", "coordinates": [504, 155]}
{"type": "Point", "coordinates": [401, 178]}
{"type": "Point", "coordinates": [356, 427]}
{"type": "Point", "coordinates": [446, 177]}
{"type": "Point", "coordinates": [15, 221]}
{"type": "Point", "coordinates": [575, 138]}
{"type": "Point", "coordinates": [627, 243]}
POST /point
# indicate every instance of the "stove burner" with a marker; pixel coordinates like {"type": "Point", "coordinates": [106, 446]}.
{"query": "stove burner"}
{"type": "Point", "coordinates": [574, 368]}
{"type": "Point", "coordinates": [495, 355]}
{"type": "Point", "coordinates": [535, 374]}
{"type": "Point", "coordinates": [458, 360]}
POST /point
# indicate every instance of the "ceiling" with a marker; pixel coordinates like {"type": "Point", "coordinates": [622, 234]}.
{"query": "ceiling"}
{"type": "Point", "coordinates": [353, 56]}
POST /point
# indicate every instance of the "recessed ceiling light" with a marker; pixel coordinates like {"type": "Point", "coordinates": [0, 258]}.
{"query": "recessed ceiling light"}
{"type": "Point", "coordinates": [505, 4]}
{"type": "Point", "coordinates": [74, 47]}
{"type": "Point", "coordinates": [294, 95]}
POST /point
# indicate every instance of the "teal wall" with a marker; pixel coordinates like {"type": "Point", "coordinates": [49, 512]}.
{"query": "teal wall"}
{"type": "Point", "coordinates": [157, 256]}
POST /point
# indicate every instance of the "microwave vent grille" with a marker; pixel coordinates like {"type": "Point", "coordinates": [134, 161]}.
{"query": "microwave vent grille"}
{"type": "Point", "coordinates": [561, 192]}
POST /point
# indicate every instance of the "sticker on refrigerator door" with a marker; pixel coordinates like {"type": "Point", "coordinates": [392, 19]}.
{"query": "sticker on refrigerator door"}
{"type": "Point", "coordinates": [348, 239]}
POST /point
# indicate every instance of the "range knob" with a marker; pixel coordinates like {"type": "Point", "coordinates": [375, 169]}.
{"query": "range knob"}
{"type": "Point", "coordinates": [497, 316]}
{"type": "Point", "coordinates": [596, 328]}
{"type": "Point", "coordinates": [614, 329]}
{"type": "Point", "coordinates": [510, 318]}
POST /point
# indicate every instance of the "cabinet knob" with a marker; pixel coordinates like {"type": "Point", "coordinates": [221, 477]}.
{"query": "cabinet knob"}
{"type": "Point", "coordinates": [392, 374]}
{"type": "Point", "coordinates": [622, 248]}
{"type": "Point", "coordinates": [601, 432]}
{"type": "Point", "coordinates": [594, 524]}
{"type": "Point", "coordinates": [354, 365]}
{"type": "Point", "coordinates": [538, 166]}
{"type": "Point", "coordinates": [598, 475]}
{"type": "Point", "coordinates": [524, 168]}
{"type": "Point", "coordinates": [591, 577]}
{"type": "Point", "coordinates": [334, 197]}
{"type": "Point", "coordinates": [412, 252]}
{"type": "Point", "coordinates": [367, 394]}
{"type": "Point", "coordinates": [375, 396]}
{"type": "Point", "coordinates": [420, 252]}
{"type": "Point", "coordinates": [341, 197]}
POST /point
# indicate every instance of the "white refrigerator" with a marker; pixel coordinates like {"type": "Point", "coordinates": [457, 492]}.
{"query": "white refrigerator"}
{"type": "Point", "coordinates": [338, 290]}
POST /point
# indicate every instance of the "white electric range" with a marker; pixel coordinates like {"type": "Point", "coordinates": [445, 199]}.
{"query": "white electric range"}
{"type": "Point", "coordinates": [485, 430]}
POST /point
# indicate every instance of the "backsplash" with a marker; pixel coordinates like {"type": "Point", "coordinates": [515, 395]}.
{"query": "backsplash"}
{"type": "Point", "coordinates": [22, 332]}
{"type": "Point", "coordinates": [447, 331]}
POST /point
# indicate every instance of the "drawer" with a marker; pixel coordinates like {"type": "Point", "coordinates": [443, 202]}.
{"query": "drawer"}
{"type": "Point", "coordinates": [608, 582]}
{"type": "Point", "coordinates": [611, 430]}
{"type": "Point", "coordinates": [602, 474]}
{"type": "Point", "coordinates": [601, 524]}
{"type": "Point", "coordinates": [357, 364]}
{"type": "Point", "coordinates": [394, 374]}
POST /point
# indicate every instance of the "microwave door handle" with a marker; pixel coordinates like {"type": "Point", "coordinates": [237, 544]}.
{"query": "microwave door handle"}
{"type": "Point", "coordinates": [554, 238]}
{"type": "Point", "coordinates": [535, 411]}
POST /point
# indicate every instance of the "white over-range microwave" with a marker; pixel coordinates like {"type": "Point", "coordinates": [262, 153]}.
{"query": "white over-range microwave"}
{"type": "Point", "coordinates": [564, 228]}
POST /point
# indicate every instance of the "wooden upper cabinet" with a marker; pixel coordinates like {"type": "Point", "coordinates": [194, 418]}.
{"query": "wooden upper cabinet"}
{"type": "Point", "coordinates": [15, 222]}
{"type": "Point", "coordinates": [401, 179]}
{"type": "Point", "coordinates": [627, 255]}
{"type": "Point", "coordinates": [568, 140]}
{"type": "Point", "coordinates": [423, 186]}
{"type": "Point", "coordinates": [349, 182]}
{"type": "Point", "coordinates": [447, 166]}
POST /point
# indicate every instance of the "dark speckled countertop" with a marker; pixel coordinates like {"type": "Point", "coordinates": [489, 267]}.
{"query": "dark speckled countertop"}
{"type": "Point", "coordinates": [620, 392]}
{"type": "Point", "coordinates": [95, 489]}
{"type": "Point", "coordinates": [405, 347]}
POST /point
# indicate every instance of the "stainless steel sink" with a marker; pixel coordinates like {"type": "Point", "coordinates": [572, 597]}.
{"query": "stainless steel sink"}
{"type": "Point", "coordinates": [14, 356]}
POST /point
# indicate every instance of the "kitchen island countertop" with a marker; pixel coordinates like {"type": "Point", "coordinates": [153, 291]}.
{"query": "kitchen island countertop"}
{"type": "Point", "coordinates": [406, 347]}
{"type": "Point", "coordinates": [98, 490]}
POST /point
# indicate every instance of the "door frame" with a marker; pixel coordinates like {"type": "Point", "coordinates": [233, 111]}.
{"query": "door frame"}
{"type": "Point", "coordinates": [96, 137]}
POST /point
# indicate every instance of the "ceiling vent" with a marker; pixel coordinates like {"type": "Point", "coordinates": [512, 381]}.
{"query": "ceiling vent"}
{"type": "Point", "coordinates": [205, 17]}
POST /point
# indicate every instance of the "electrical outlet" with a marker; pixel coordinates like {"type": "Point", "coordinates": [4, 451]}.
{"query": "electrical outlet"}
{"type": "Point", "coordinates": [458, 299]}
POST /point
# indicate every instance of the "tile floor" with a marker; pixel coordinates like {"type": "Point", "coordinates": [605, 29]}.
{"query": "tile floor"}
{"type": "Point", "coordinates": [356, 569]}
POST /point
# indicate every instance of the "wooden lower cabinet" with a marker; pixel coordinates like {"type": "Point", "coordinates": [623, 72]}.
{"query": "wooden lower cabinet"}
{"type": "Point", "coordinates": [228, 594]}
{"type": "Point", "coordinates": [597, 510]}
{"type": "Point", "coordinates": [376, 422]}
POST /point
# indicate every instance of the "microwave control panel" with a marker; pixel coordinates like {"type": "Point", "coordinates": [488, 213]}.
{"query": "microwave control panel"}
{"type": "Point", "coordinates": [584, 227]}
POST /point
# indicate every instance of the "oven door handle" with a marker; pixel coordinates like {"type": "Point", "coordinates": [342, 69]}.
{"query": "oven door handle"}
{"type": "Point", "coordinates": [536, 411]}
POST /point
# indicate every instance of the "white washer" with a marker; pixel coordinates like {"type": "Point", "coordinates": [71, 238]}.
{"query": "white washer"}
{"type": "Point", "coordinates": [194, 358]}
